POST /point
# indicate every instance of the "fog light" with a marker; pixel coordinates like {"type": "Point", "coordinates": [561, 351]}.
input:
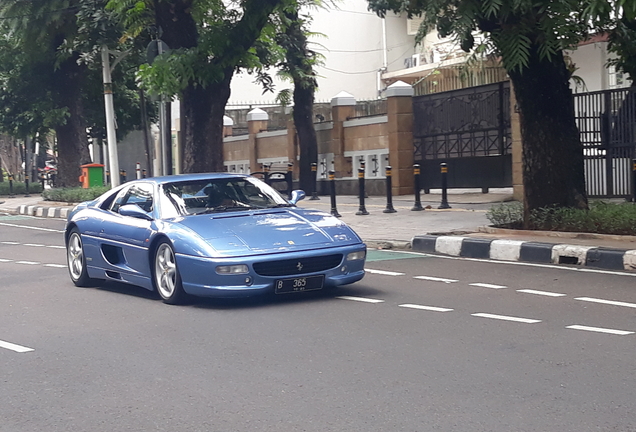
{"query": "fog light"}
{"type": "Point", "coordinates": [343, 269]}
{"type": "Point", "coordinates": [232, 269]}
{"type": "Point", "coordinates": [248, 281]}
{"type": "Point", "coordinates": [354, 256]}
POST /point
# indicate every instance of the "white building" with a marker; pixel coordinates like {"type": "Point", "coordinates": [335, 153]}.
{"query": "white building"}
{"type": "Point", "coordinates": [357, 47]}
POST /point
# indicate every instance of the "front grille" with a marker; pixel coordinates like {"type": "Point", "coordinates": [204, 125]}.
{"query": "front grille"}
{"type": "Point", "coordinates": [291, 267]}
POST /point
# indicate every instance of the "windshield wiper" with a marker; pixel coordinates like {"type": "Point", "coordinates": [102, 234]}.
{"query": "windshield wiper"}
{"type": "Point", "coordinates": [280, 205]}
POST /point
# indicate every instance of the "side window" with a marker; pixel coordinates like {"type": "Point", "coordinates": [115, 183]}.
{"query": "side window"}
{"type": "Point", "coordinates": [119, 199]}
{"type": "Point", "coordinates": [139, 194]}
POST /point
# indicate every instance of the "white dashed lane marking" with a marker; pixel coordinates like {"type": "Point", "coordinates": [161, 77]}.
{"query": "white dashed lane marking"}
{"type": "Point", "coordinates": [10, 243]}
{"type": "Point", "coordinates": [428, 308]}
{"type": "Point", "coordinates": [55, 265]}
{"type": "Point", "coordinates": [383, 272]}
{"type": "Point", "coordinates": [485, 285]}
{"type": "Point", "coordinates": [506, 318]}
{"type": "Point", "coordinates": [435, 279]}
{"type": "Point", "coordinates": [600, 330]}
{"type": "Point", "coordinates": [543, 293]}
{"type": "Point", "coordinates": [360, 299]}
{"type": "Point", "coordinates": [14, 347]}
{"type": "Point", "coordinates": [27, 262]}
{"type": "Point", "coordinates": [608, 302]}
{"type": "Point", "coordinates": [33, 244]}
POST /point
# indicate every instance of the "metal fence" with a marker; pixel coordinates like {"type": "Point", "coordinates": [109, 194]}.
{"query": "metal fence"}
{"type": "Point", "coordinates": [607, 124]}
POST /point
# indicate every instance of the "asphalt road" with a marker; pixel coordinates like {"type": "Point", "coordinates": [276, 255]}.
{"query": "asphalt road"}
{"type": "Point", "coordinates": [421, 344]}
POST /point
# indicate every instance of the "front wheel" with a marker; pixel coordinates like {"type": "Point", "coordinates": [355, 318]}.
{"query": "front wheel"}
{"type": "Point", "coordinates": [166, 276]}
{"type": "Point", "coordinates": [76, 260]}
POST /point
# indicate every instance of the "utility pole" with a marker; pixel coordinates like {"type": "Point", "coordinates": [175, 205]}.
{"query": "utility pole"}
{"type": "Point", "coordinates": [113, 160]}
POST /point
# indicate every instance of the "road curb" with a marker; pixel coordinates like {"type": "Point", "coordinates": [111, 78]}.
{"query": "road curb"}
{"type": "Point", "coordinates": [526, 251]}
{"type": "Point", "coordinates": [43, 211]}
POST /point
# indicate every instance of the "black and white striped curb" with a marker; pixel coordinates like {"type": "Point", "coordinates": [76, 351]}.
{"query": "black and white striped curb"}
{"type": "Point", "coordinates": [526, 251]}
{"type": "Point", "coordinates": [43, 211]}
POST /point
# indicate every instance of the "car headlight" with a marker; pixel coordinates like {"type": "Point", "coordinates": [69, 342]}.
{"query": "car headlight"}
{"type": "Point", "coordinates": [232, 269]}
{"type": "Point", "coordinates": [354, 256]}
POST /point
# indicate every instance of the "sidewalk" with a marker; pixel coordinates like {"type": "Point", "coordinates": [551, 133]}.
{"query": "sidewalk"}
{"type": "Point", "coordinates": [461, 230]}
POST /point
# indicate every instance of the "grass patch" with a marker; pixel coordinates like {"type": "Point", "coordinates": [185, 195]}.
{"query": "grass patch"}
{"type": "Point", "coordinates": [73, 195]}
{"type": "Point", "coordinates": [601, 218]}
{"type": "Point", "coordinates": [19, 188]}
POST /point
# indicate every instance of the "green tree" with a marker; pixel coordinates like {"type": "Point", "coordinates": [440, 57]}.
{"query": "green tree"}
{"type": "Point", "coordinates": [298, 66]}
{"type": "Point", "coordinates": [530, 36]}
{"type": "Point", "coordinates": [208, 40]}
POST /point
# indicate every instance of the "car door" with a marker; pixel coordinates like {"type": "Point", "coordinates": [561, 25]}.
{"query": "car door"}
{"type": "Point", "coordinates": [126, 238]}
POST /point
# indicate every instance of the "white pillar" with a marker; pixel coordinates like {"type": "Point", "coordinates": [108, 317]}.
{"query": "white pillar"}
{"type": "Point", "coordinates": [110, 119]}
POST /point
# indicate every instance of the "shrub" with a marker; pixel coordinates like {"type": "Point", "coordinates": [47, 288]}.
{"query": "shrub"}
{"type": "Point", "coordinates": [506, 215]}
{"type": "Point", "coordinates": [73, 195]}
{"type": "Point", "coordinates": [601, 218]}
{"type": "Point", "coordinates": [19, 188]}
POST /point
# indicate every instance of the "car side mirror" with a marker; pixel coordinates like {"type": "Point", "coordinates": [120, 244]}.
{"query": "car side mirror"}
{"type": "Point", "coordinates": [133, 210]}
{"type": "Point", "coordinates": [296, 196]}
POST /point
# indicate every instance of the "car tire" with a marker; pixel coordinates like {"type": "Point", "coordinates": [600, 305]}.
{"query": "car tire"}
{"type": "Point", "coordinates": [76, 260]}
{"type": "Point", "coordinates": [165, 274]}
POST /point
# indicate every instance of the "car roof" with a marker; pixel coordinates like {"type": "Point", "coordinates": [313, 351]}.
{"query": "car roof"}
{"type": "Point", "coordinates": [191, 177]}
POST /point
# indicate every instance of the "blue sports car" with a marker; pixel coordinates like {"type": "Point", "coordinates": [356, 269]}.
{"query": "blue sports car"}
{"type": "Point", "coordinates": [219, 235]}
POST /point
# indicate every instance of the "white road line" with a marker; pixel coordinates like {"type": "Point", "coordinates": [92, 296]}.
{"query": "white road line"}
{"type": "Point", "coordinates": [33, 244]}
{"type": "Point", "coordinates": [27, 262]}
{"type": "Point", "coordinates": [428, 308]}
{"type": "Point", "coordinates": [14, 347]}
{"type": "Point", "coordinates": [543, 293]}
{"type": "Point", "coordinates": [435, 279]}
{"type": "Point", "coordinates": [57, 247]}
{"type": "Point", "coordinates": [609, 302]}
{"type": "Point", "coordinates": [5, 260]}
{"type": "Point", "coordinates": [383, 272]}
{"type": "Point", "coordinates": [600, 330]}
{"type": "Point", "coordinates": [524, 264]}
{"type": "Point", "coordinates": [55, 265]}
{"type": "Point", "coordinates": [31, 227]}
{"type": "Point", "coordinates": [10, 243]}
{"type": "Point", "coordinates": [360, 299]}
{"type": "Point", "coordinates": [485, 285]}
{"type": "Point", "coordinates": [506, 318]}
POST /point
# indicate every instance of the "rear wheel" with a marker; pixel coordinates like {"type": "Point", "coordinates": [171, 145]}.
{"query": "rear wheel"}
{"type": "Point", "coordinates": [166, 276]}
{"type": "Point", "coordinates": [76, 260]}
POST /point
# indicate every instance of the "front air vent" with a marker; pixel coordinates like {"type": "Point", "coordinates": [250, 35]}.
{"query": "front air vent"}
{"type": "Point", "coordinates": [292, 267]}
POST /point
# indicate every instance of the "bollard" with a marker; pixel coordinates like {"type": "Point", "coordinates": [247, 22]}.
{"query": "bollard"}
{"type": "Point", "coordinates": [289, 179]}
{"type": "Point", "coordinates": [389, 192]}
{"type": "Point", "coordinates": [444, 172]}
{"type": "Point", "coordinates": [634, 180]}
{"type": "Point", "coordinates": [143, 173]}
{"type": "Point", "coordinates": [266, 173]}
{"type": "Point", "coordinates": [314, 193]}
{"type": "Point", "coordinates": [26, 184]}
{"type": "Point", "coordinates": [362, 211]}
{"type": "Point", "coordinates": [332, 183]}
{"type": "Point", "coordinates": [11, 194]}
{"type": "Point", "coordinates": [138, 170]}
{"type": "Point", "coordinates": [107, 177]}
{"type": "Point", "coordinates": [416, 187]}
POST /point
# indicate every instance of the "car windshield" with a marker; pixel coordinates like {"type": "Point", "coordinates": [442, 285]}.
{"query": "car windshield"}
{"type": "Point", "coordinates": [216, 195]}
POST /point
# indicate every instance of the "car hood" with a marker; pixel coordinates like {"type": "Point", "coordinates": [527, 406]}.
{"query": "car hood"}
{"type": "Point", "coordinates": [267, 231]}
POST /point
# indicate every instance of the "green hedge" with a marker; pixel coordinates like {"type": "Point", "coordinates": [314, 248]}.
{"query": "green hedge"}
{"type": "Point", "coordinates": [601, 218]}
{"type": "Point", "coordinates": [19, 188]}
{"type": "Point", "coordinates": [73, 195]}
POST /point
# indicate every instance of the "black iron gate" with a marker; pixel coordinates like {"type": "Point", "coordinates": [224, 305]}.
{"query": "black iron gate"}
{"type": "Point", "coordinates": [607, 122]}
{"type": "Point", "coordinates": [469, 129]}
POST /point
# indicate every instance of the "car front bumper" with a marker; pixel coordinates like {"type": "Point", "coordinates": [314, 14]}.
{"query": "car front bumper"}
{"type": "Point", "coordinates": [199, 276]}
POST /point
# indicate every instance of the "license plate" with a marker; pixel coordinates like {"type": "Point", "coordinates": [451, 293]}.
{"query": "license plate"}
{"type": "Point", "coordinates": [299, 284]}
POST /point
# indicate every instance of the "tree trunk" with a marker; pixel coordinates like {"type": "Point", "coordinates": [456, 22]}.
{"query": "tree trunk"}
{"type": "Point", "coordinates": [202, 111]}
{"type": "Point", "coordinates": [553, 172]}
{"type": "Point", "coordinates": [72, 139]}
{"type": "Point", "coordinates": [304, 123]}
